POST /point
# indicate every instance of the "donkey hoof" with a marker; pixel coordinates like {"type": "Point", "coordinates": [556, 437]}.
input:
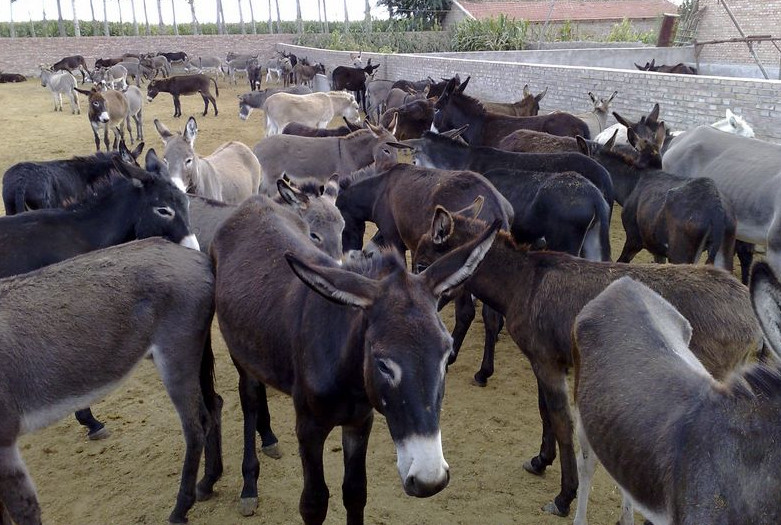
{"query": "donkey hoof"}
{"type": "Point", "coordinates": [272, 451]}
{"type": "Point", "coordinates": [529, 466]}
{"type": "Point", "coordinates": [101, 433]}
{"type": "Point", "coordinates": [247, 506]}
{"type": "Point", "coordinates": [480, 380]}
{"type": "Point", "coordinates": [554, 509]}
{"type": "Point", "coordinates": [203, 491]}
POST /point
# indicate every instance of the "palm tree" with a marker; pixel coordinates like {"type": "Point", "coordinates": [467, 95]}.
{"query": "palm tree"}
{"type": "Point", "coordinates": [368, 17]}
{"type": "Point", "coordinates": [241, 20]}
{"type": "Point", "coordinates": [325, 18]}
{"type": "Point", "coordinates": [60, 23]}
{"type": "Point", "coordinates": [160, 26]}
{"type": "Point", "coordinates": [346, 18]}
{"type": "Point", "coordinates": [192, 13]}
{"type": "Point", "coordinates": [279, 20]}
{"type": "Point", "coordinates": [11, 20]}
{"type": "Point", "coordinates": [76, 26]}
{"type": "Point", "coordinates": [106, 31]}
{"type": "Point", "coordinates": [32, 24]}
{"type": "Point", "coordinates": [299, 21]}
{"type": "Point", "coordinates": [146, 19]}
{"type": "Point", "coordinates": [119, 6]}
{"type": "Point", "coordinates": [173, 13]}
{"type": "Point", "coordinates": [270, 24]}
{"type": "Point", "coordinates": [252, 16]}
{"type": "Point", "coordinates": [135, 22]}
{"type": "Point", "coordinates": [95, 30]}
{"type": "Point", "coordinates": [220, 18]}
{"type": "Point", "coordinates": [320, 17]}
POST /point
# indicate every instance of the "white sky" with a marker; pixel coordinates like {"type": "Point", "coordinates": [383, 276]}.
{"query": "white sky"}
{"type": "Point", "coordinates": [205, 10]}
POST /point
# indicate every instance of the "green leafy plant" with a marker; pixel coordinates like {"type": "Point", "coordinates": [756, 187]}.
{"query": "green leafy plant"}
{"type": "Point", "coordinates": [492, 34]}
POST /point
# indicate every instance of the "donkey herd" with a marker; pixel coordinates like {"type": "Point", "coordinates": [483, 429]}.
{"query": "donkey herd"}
{"type": "Point", "coordinates": [677, 386]}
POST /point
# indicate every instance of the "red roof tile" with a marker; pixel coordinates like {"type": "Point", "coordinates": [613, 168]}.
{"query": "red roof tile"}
{"type": "Point", "coordinates": [570, 9]}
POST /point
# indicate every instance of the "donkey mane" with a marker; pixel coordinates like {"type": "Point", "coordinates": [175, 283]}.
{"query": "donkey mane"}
{"type": "Point", "coordinates": [99, 188]}
{"type": "Point", "coordinates": [464, 102]}
{"type": "Point", "coordinates": [376, 264]}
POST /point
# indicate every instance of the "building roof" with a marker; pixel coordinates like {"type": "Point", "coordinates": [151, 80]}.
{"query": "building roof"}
{"type": "Point", "coordinates": [537, 11]}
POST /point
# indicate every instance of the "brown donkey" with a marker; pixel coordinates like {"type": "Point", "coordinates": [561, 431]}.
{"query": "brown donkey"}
{"type": "Point", "coordinates": [540, 293]}
{"type": "Point", "coordinates": [683, 447]}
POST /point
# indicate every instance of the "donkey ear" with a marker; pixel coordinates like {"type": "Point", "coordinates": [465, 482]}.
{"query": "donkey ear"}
{"type": "Point", "coordinates": [653, 116]}
{"type": "Point", "coordinates": [632, 137]}
{"type": "Point", "coordinates": [583, 145]}
{"type": "Point", "coordinates": [138, 149]}
{"type": "Point", "coordinates": [190, 130]}
{"type": "Point", "coordinates": [163, 131]}
{"type": "Point", "coordinates": [456, 267]}
{"type": "Point", "coordinates": [441, 225]}
{"type": "Point", "coordinates": [766, 300]}
{"type": "Point", "coordinates": [461, 87]}
{"type": "Point", "coordinates": [541, 95]}
{"type": "Point", "coordinates": [152, 162]}
{"type": "Point", "coordinates": [592, 97]}
{"type": "Point", "coordinates": [331, 189]}
{"type": "Point", "coordinates": [335, 284]}
{"type": "Point", "coordinates": [612, 141]}
{"type": "Point", "coordinates": [621, 120]}
{"type": "Point", "coordinates": [526, 91]}
{"type": "Point", "coordinates": [612, 97]}
{"type": "Point", "coordinates": [125, 154]}
{"type": "Point", "coordinates": [292, 195]}
{"type": "Point", "coordinates": [473, 210]}
{"type": "Point", "coordinates": [83, 91]}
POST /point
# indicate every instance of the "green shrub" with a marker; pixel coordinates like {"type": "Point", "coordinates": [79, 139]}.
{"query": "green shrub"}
{"type": "Point", "coordinates": [493, 34]}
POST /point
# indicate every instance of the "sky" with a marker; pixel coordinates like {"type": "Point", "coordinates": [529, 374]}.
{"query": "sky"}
{"type": "Point", "coordinates": [205, 10]}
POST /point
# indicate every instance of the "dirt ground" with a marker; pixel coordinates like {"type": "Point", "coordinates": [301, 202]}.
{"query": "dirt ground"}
{"type": "Point", "coordinates": [132, 477]}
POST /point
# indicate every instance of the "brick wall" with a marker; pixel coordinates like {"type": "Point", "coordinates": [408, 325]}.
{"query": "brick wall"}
{"type": "Point", "coordinates": [686, 101]}
{"type": "Point", "coordinates": [755, 18]}
{"type": "Point", "coordinates": [23, 55]}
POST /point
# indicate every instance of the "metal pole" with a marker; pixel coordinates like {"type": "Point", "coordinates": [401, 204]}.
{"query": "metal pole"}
{"type": "Point", "coordinates": [748, 42]}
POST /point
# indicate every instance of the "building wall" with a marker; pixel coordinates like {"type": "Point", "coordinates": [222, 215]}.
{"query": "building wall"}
{"type": "Point", "coordinates": [686, 101]}
{"type": "Point", "coordinates": [23, 55]}
{"type": "Point", "coordinates": [754, 17]}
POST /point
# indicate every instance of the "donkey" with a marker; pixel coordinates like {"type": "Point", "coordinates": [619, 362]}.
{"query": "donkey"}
{"type": "Point", "coordinates": [314, 109]}
{"type": "Point", "coordinates": [49, 184]}
{"type": "Point", "coordinates": [528, 141]}
{"type": "Point", "coordinates": [257, 99]}
{"type": "Point", "coordinates": [528, 106]}
{"type": "Point", "coordinates": [596, 119]}
{"type": "Point", "coordinates": [353, 79]}
{"type": "Point", "coordinates": [347, 346]}
{"type": "Point", "coordinates": [540, 293]}
{"type": "Point", "coordinates": [60, 83]}
{"type": "Point", "coordinates": [71, 63]}
{"type": "Point", "coordinates": [691, 464]}
{"type": "Point", "coordinates": [454, 109]}
{"type": "Point", "coordinates": [230, 174]}
{"type": "Point", "coordinates": [108, 109]}
{"type": "Point", "coordinates": [90, 320]}
{"type": "Point", "coordinates": [185, 85]}
{"type": "Point", "coordinates": [302, 130]}
{"type": "Point", "coordinates": [135, 109]}
{"type": "Point", "coordinates": [672, 216]}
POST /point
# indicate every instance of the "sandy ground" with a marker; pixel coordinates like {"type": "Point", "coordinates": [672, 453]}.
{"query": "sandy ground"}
{"type": "Point", "coordinates": [133, 477]}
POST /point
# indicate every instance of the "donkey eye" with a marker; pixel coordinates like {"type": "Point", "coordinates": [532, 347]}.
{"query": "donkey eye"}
{"type": "Point", "coordinates": [315, 237]}
{"type": "Point", "coordinates": [164, 211]}
{"type": "Point", "coordinates": [187, 162]}
{"type": "Point", "coordinates": [420, 267]}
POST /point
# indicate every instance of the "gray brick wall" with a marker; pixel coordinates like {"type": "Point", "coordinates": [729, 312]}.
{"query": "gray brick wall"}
{"type": "Point", "coordinates": [686, 101]}
{"type": "Point", "coordinates": [755, 18]}
{"type": "Point", "coordinates": [23, 55]}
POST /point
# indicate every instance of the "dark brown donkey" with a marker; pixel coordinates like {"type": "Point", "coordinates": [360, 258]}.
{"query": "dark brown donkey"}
{"type": "Point", "coordinates": [540, 293]}
{"type": "Point", "coordinates": [342, 340]}
{"type": "Point", "coordinates": [73, 331]}
{"type": "Point", "coordinates": [454, 109]}
{"type": "Point", "coordinates": [528, 106]}
{"type": "Point", "coordinates": [685, 448]}
{"type": "Point", "coordinates": [185, 85]}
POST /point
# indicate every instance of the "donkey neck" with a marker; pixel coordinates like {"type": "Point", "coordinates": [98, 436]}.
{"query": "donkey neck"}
{"type": "Point", "coordinates": [356, 150]}
{"type": "Point", "coordinates": [110, 219]}
{"type": "Point", "coordinates": [625, 176]}
{"type": "Point", "coordinates": [205, 179]}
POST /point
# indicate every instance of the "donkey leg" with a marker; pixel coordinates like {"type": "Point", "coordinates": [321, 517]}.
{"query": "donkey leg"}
{"type": "Point", "coordinates": [269, 444]}
{"type": "Point", "coordinates": [17, 491]}
{"type": "Point", "coordinates": [313, 504]}
{"type": "Point", "coordinates": [355, 442]}
{"type": "Point", "coordinates": [557, 403]}
{"type": "Point", "coordinates": [250, 466]}
{"type": "Point", "coordinates": [492, 321]}
{"type": "Point", "coordinates": [214, 105]}
{"type": "Point", "coordinates": [539, 463]}
{"type": "Point", "coordinates": [587, 465]}
{"type": "Point", "coordinates": [745, 253]}
{"type": "Point", "coordinates": [95, 429]}
{"type": "Point", "coordinates": [465, 314]}
{"type": "Point", "coordinates": [177, 106]}
{"type": "Point", "coordinates": [205, 104]}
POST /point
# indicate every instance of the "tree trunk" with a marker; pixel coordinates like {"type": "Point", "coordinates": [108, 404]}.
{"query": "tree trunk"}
{"type": "Point", "coordinates": [346, 17]}
{"type": "Point", "coordinates": [219, 20]}
{"type": "Point", "coordinates": [192, 13]}
{"type": "Point", "coordinates": [32, 25]}
{"type": "Point", "coordinates": [252, 17]}
{"type": "Point", "coordinates": [173, 13]}
{"type": "Point", "coordinates": [146, 19]}
{"type": "Point", "coordinates": [11, 21]}
{"type": "Point", "coordinates": [119, 7]}
{"type": "Point", "coordinates": [60, 23]}
{"type": "Point", "coordinates": [368, 17]}
{"type": "Point", "coordinates": [241, 20]}
{"type": "Point", "coordinates": [95, 30]}
{"type": "Point", "coordinates": [320, 17]}
{"type": "Point", "coordinates": [106, 31]}
{"type": "Point", "coordinates": [135, 22]}
{"type": "Point", "coordinates": [160, 26]}
{"type": "Point", "coordinates": [325, 18]}
{"type": "Point", "coordinates": [299, 20]}
{"type": "Point", "coordinates": [279, 20]}
{"type": "Point", "coordinates": [270, 23]}
{"type": "Point", "coordinates": [76, 26]}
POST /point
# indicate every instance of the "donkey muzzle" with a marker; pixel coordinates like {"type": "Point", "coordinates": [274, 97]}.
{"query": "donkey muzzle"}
{"type": "Point", "coordinates": [422, 466]}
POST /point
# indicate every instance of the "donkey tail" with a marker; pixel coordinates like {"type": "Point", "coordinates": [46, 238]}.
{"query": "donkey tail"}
{"type": "Point", "coordinates": [216, 87]}
{"type": "Point", "coordinates": [721, 237]}
{"type": "Point", "coordinates": [207, 373]}
{"type": "Point", "coordinates": [596, 241]}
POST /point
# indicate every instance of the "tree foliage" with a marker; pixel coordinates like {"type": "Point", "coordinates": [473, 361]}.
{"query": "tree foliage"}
{"type": "Point", "coordinates": [432, 12]}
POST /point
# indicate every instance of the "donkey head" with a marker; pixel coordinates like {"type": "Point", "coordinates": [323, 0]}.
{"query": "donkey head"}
{"type": "Point", "coordinates": [179, 154]}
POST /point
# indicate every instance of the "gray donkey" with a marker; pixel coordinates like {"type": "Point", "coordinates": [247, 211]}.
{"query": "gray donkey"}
{"type": "Point", "coordinates": [684, 447]}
